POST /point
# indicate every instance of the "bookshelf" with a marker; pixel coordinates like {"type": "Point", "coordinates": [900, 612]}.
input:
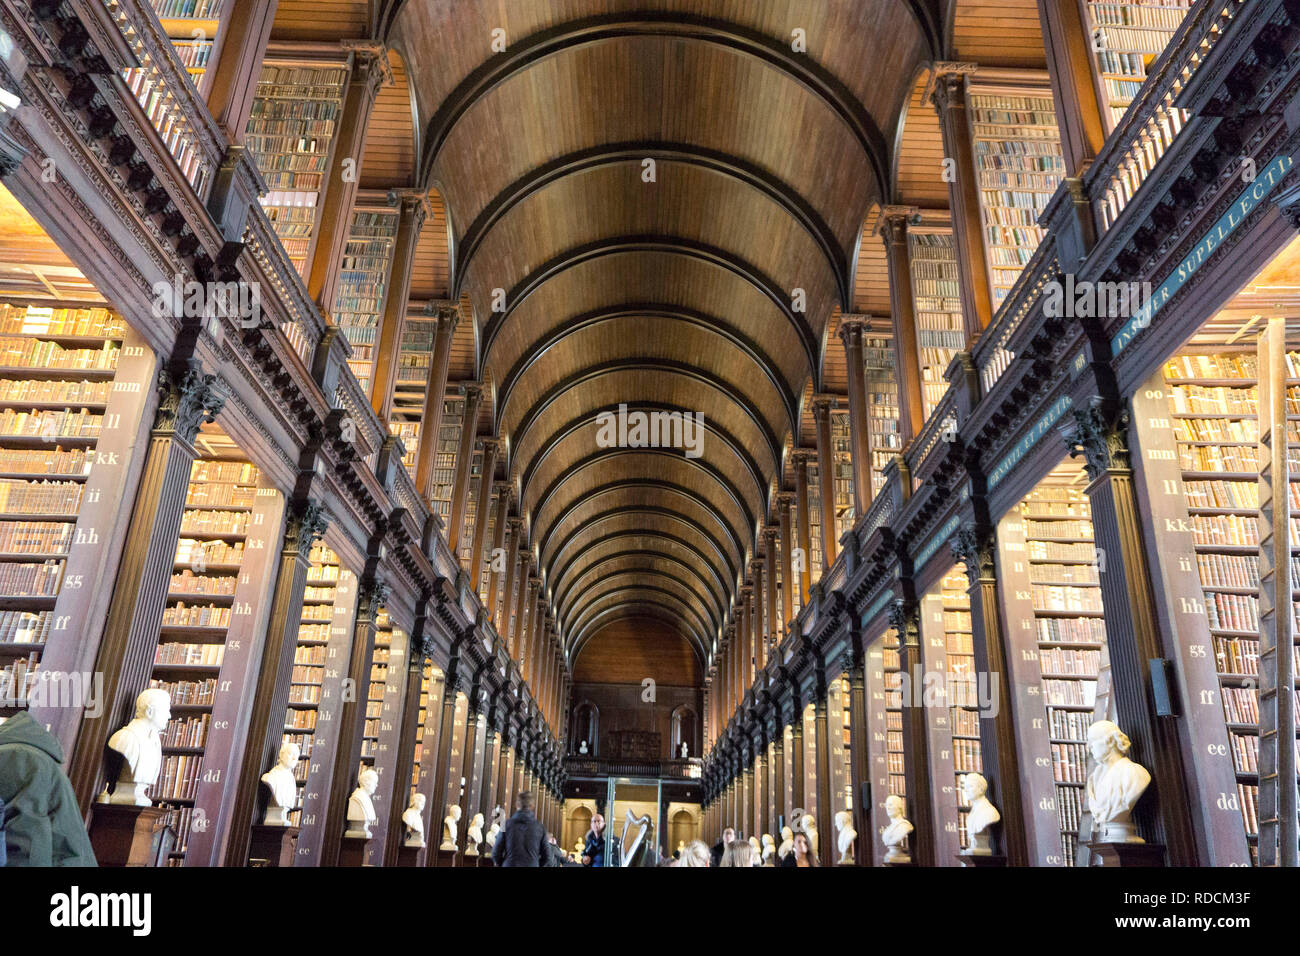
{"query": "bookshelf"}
{"type": "Point", "coordinates": [192, 26]}
{"type": "Point", "coordinates": [842, 450]}
{"type": "Point", "coordinates": [473, 492]}
{"type": "Point", "coordinates": [212, 620]}
{"type": "Point", "coordinates": [884, 733]}
{"type": "Point", "coordinates": [810, 765]}
{"type": "Point", "coordinates": [290, 131]}
{"type": "Point", "coordinates": [362, 283]}
{"type": "Point", "coordinates": [940, 328]}
{"type": "Point", "coordinates": [1065, 587]}
{"type": "Point", "coordinates": [1200, 428]}
{"type": "Point", "coordinates": [424, 743]}
{"type": "Point", "coordinates": [814, 520]}
{"type": "Point", "coordinates": [1127, 38]}
{"type": "Point", "coordinates": [407, 417]}
{"type": "Point", "coordinates": [838, 715]}
{"type": "Point", "coordinates": [387, 696]}
{"type": "Point", "coordinates": [951, 709]}
{"type": "Point", "coordinates": [57, 392]}
{"type": "Point", "coordinates": [1018, 162]}
{"type": "Point", "coordinates": [880, 370]}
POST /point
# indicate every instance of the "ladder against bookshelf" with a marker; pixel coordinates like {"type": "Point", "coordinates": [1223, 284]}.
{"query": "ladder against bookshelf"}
{"type": "Point", "coordinates": [1197, 422]}
{"type": "Point", "coordinates": [315, 695]}
{"type": "Point", "coordinates": [290, 130]}
{"type": "Point", "coordinates": [881, 376]}
{"type": "Point", "coordinates": [1018, 163]}
{"type": "Point", "coordinates": [951, 705]}
{"type": "Point", "coordinates": [940, 328]}
{"type": "Point", "coordinates": [1127, 38]}
{"type": "Point", "coordinates": [73, 385]}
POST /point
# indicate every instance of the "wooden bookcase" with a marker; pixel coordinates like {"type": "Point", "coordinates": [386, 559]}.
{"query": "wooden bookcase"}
{"type": "Point", "coordinates": [384, 706]}
{"type": "Point", "coordinates": [814, 520]}
{"type": "Point", "coordinates": [192, 26]}
{"type": "Point", "coordinates": [838, 714]}
{"type": "Point", "coordinates": [881, 371]}
{"type": "Point", "coordinates": [842, 449]}
{"type": "Point", "coordinates": [413, 361]}
{"type": "Point", "coordinates": [290, 131]}
{"type": "Point", "coordinates": [940, 328]}
{"type": "Point", "coordinates": [362, 286]}
{"type": "Point", "coordinates": [74, 381]}
{"type": "Point", "coordinates": [1018, 162]}
{"type": "Point", "coordinates": [210, 639]}
{"type": "Point", "coordinates": [1198, 429]}
{"type": "Point", "coordinates": [952, 717]}
{"type": "Point", "coordinates": [884, 736]}
{"type": "Point", "coordinates": [1127, 38]}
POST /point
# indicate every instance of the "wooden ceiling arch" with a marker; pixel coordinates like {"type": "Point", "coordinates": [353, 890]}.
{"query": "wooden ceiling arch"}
{"type": "Point", "coordinates": [630, 599]}
{"type": "Point", "coordinates": [629, 576]}
{"type": "Point", "coordinates": [632, 611]}
{"type": "Point", "coordinates": [625, 593]}
{"type": "Point", "coordinates": [678, 572]}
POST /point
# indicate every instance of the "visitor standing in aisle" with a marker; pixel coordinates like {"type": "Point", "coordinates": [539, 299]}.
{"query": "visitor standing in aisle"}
{"type": "Point", "coordinates": [802, 855]}
{"type": "Point", "coordinates": [728, 837]}
{"type": "Point", "coordinates": [593, 851]}
{"type": "Point", "coordinates": [41, 824]}
{"type": "Point", "coordinates": [523, 839]}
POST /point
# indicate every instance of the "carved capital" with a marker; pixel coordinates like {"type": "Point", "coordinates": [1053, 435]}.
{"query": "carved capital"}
{"type": "Point", "coordinates": [975, 549]}
{"type": "Point", "coordinates": [188, 398]}
{"type": "Point", "coordinates": [948, 85]}
{"type": "Point", "coordinates": [851, 330]}
{"type": "Point", "coordinates": [1100, 433]}
{"type": "Point", "coordinates": [821, 406]}
{"type": "Point", "coordinates": [373, 595]}
{"type": "Point", "coordinates": [904, 617]}
{"type": "Point", "coordinates": [308, 520]}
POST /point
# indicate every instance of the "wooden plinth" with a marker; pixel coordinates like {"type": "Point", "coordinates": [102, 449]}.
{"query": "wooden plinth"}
{"type": "Point", "coordinates": [444, 858]}
{"type": "Point", "coordinates": [987, 859]}
{"type": "Point", "coordinates": [908, 863]}
{"type": "Point", "coordinates": [272, 846]}
{"type": "Point", "coordinates": [409, 855]}
{"type": "Point", "coordinates": [1129, 854]}
{"type": "Point", "coordinates": [352, 851]}
{"type": "Point", "coordinates": [470, 860]}
{"type": "Point", "coordinates": [486, 861]}
{"type": "Point", "coordinates": [124, 835]}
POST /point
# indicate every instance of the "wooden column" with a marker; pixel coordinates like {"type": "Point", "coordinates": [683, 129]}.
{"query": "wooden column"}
{"type": "Point", "coordinates": [826, 478]}
{"type": "Point", "coordinates": [421, 646]}
{"type": "Point", "coordinates": [504, 797]}
{"type": "Point", "coordinates": [758, 625]}
{"type": "Point", "coordinates": [1163, 815]}
{"type": "Point", "coordinates": [825, 816]}
{"type": "Point", "coordinates": [475, 567]}
{"type": "Point", "coordinates": [999, 753]}
{"type": "Point", "coordinates": [784, 502]}
{"type": "Point", "coordinates": [368, 71]}
{"type": "Point", "coordinates": [775, 630]}
{"type": "Point", "coordinates": [512, 614]}
{"type": "Point", "coordinates": [472, 768]}
{"type": "Point", "coordinates": [779, 808]}
{"type": "Point", "coordinates": [796, 759]}
{"type": "Point", "coordinates": [949, 98]}
{"type": "Point", "coordinates": [388, 347]}
{"type": "Point", "coordinates": [851, 329]}
{"type": "Point", "coordinates": [473, 393]}
{"type": "Point", "coordinates": [904, 616]}
{"type": "Point", "coordinates": [859, 768]}
{"type": "Point", "coordinates": [746, 826]}
{"type": "Point", "coordinates": [435, 397]}
{"type": "Point", "coordinates": [1069, 63]}
{"type": "Point", "coordinates": [126, 652]}
{"type": "Point", "coordinates": [442, 771]}
{"type": "Point", "coordinates": [801, 458]}
{"type": "Point", "coordinates": [499, 551]}
{"type": "Point", "coordinates": [265, 734]}
{"type": "Point", "coordinates": [907, 356]}
{"type": "Point", "coordinates": [352, 717]}
{"type": "Point", "coordinates": [235, 66]}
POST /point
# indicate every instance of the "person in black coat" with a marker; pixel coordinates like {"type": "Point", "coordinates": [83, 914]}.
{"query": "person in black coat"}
{"type": "Point", "coordinates": [522, 841]}
{"type": "Point", "coordinates": [593, 851]}
{"type": "Point", "coordinates": [728, 835]}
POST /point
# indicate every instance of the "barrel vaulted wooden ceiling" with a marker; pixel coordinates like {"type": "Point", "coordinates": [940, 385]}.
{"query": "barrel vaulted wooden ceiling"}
{"type": "Point", "coordinates": [770, 161]}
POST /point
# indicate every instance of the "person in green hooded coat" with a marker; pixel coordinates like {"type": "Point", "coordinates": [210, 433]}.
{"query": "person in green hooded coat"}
{"type": "Point", "coordinates": [41, 823]}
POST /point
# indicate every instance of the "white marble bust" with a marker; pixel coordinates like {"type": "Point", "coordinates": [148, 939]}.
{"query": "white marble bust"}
{"type": "Point", "coordinates": [449, 830]}
{"type": "Point", "coordinates": [846, 836]}
{"type": "Point", "coordinates": [684, 750]}
{"type": "Point", "coordinates": [808, 826]}
{"type": "Point", "coordinates": [894, 835]}
{"type": "Point", "coordinates": [982, 814]}
{"type": "Point", "coordinates": [582, 747]}
{"type": "Point", "coordinates": [475, 836]}
{"type": "Point", "coordinates": [361, 805]}
{"type": "Point", "coordinates": [757, 858]}
{"type": "Point", "coordinates": [1115, 784]}
{"type": "Point", "coordinates": [283, 786]}
{"type": "Point", "coordinates": [769, 849]}
{"type": "Point", "coordinates": [787, 843]}
{"type": "Point", "coordinates": [140, 744]}
{"type": "Point", "coordinates": [413, 820]}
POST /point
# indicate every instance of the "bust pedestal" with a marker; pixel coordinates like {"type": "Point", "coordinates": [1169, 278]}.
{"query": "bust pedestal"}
{"type": "Point", "coordinates": [409, 855]}
{"type": "Point", "coordinates": [981, 859]}
{"type": "Point", "coordinates": [272, 846]}
{"type": "Point", "coordinates": [899, 863]}
{"type": "Point", "coordinates": [1128, 854]}
{"type": "Point", "coordinates": [125, 835]}
{"type": "Point", "coordinates": [486, 860]}
{"type": "Point", "coordinates": [353, 850]}
{"type": "Point", "coordinates": [444, 857]}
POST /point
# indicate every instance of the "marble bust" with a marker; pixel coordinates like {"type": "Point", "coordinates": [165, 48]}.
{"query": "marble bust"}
{"type": "Point", "coordinates": [846, 837]}
{"type": "Point", "coordinates": [982, 815]}
{"type": "Point", "coordinates": [283, 786]}
{"type": "Point", "coordinates": [787, 842]}
{"type": "Point", "coordinates": [758, 851]}
{"type": "Point", "coordinates": [475, 836]}
{"type": "Point", "coordinates": [582, 747]}
{"type": "Point", "coordinates": [684, 750]}
{"type": "Point", "coordinates": [894, 835]}
{"type": "Point", "coordinates": [808, 825]}
{"type": "Point", "coordinates": [361, 805]}
{"type": "Point", "coordinates": [1115, 784]}
{"type": "Point", "coordinates": [140, 744]}
{"type": "Point", "coordinates": [413, 820]}
{"type": "Point", "coordinates": [769, 849]}
{"type": "Point", "coordinates": [449, 828]}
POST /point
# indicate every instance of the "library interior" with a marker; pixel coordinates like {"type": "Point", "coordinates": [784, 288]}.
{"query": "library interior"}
{"type": "Point", "coordinates": [765, 432]}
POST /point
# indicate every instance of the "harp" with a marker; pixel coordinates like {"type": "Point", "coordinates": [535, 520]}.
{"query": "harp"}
{"type": "Point", "coordinates": [638, 838]}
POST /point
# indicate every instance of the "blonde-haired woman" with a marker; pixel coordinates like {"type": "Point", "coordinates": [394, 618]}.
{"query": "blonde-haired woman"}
{"type": "Point", "coordinates": [738, 853]}
{"type": "Point", "coordinates": [694, 853]}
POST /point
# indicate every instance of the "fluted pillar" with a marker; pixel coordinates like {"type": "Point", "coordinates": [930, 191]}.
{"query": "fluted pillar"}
{"type": "Point", "coordinates": [826, 478]}
{"type": "Point", "coordinates": [801, 458]}
{"type": "Point", "coordinates": [435, 397]}
{"type": "Point", "coordinates": [902, 307]}
{"type": "Point", "coordinates": [413, 209]}
{"type": "Point", "coordinates": [473, 393]}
